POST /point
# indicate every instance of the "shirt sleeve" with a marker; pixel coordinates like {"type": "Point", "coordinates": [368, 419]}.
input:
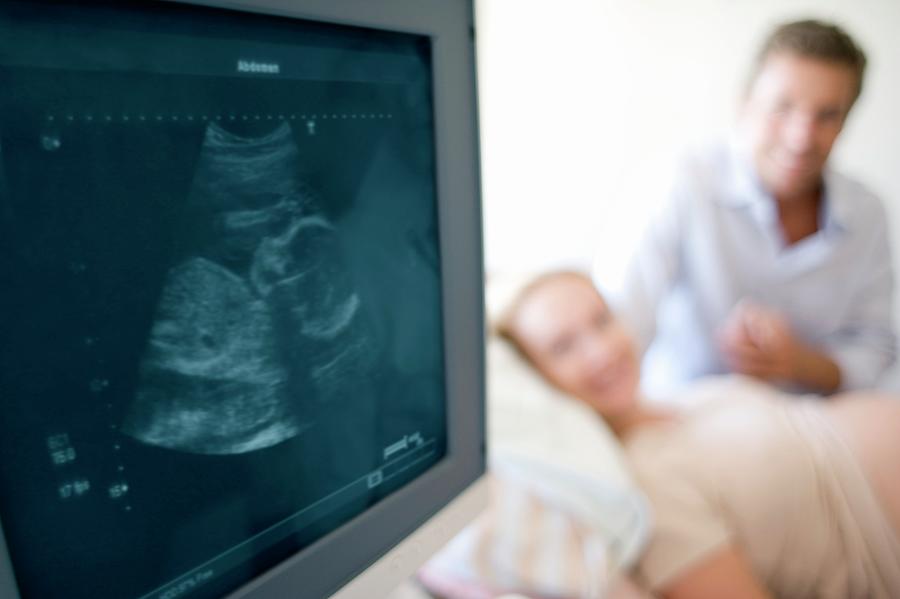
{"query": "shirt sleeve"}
{"type": "Point", "coordinates": [652, 270]}
{"type": "Point", "coordinates": [866, 344]}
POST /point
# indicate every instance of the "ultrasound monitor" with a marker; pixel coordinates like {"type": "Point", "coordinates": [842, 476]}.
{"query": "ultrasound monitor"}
{"type": "Point", "coordinates": [241, 337]}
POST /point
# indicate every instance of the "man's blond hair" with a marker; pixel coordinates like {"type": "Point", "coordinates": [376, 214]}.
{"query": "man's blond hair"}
{"type": "Point", "coordinates": [813, 39]}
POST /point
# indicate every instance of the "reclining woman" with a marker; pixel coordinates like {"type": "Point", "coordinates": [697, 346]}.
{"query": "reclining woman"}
{"type": "Point", "coordinates": [755, 493]}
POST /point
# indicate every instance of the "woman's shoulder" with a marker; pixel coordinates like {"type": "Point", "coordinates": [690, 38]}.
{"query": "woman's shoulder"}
{"type": "Point", "coordinates": [718, 392]}
{"type": "Point", "coordinates": [720, 417]}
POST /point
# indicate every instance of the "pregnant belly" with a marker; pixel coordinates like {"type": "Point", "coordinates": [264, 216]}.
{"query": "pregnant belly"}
{"type": "Point", "coordinates": [869, 423]}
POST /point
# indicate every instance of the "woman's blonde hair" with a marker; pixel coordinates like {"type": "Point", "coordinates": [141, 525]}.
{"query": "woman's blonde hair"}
{"type": "Point", "coordinates": [505, 319]}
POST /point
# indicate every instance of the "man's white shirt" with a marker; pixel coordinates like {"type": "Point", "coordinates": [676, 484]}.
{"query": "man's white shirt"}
{"type": "Point", "coordinates": [717, 241]}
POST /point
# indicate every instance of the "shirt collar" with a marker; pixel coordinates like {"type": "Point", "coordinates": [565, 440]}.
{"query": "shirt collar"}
{"type": "Point", "coordinates": [837, 208]}
{"type": "Point", "coordinates": [745, 190]}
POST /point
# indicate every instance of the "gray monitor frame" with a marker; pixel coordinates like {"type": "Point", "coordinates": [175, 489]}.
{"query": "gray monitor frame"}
{"type": "Point", "coordinates": [333, 561]}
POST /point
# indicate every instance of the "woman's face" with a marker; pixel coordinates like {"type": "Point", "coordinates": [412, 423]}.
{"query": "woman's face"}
{"type": "Point", "coordinates": [566, 329]}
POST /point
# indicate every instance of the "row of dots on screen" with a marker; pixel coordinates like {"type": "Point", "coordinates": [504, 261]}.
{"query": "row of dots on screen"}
{"type": "Point", "coordinates": [149, 118]}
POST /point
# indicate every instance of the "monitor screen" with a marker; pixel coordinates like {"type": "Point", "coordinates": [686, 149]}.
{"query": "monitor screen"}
{"type": "Point", "coordinates": [223, 324]}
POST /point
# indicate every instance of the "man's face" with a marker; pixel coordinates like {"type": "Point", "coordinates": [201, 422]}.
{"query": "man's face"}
{"type": "Point", "coordinates": [793, 113]}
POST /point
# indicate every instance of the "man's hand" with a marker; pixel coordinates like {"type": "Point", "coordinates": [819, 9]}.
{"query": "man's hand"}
{"type": "Point", "coordinates": [758, 342]}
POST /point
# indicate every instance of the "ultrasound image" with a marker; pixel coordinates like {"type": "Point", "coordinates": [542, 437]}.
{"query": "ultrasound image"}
{"type": "Point", "coordinates": [258, 324]}
{"type": "Point", "coordinates": [221, 299]}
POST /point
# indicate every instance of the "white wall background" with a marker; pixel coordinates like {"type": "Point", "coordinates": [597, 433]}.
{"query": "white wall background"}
{"type": "Point", "coordinates": [585, 103]}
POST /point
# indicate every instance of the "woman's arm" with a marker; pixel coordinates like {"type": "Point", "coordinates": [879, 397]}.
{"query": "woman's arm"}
{"type": "Point", "coordinates": [625, 588]}
{"type": "Point", "coordinates": [726, 573]}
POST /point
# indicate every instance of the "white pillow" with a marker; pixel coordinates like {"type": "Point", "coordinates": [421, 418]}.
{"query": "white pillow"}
{"type": "Point", "coordinates": [529, 418]}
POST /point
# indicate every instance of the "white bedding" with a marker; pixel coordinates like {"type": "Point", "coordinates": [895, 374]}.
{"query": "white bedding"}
{"type": "Point", "coordinates": [565, 517]}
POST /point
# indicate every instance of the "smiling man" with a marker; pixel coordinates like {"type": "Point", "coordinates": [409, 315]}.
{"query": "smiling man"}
{"type": "Point", "coordinates": [765, 261]}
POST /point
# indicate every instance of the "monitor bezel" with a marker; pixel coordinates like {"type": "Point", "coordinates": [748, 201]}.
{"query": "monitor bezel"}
{"type": "Point", "coordinates": [455, 484]}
